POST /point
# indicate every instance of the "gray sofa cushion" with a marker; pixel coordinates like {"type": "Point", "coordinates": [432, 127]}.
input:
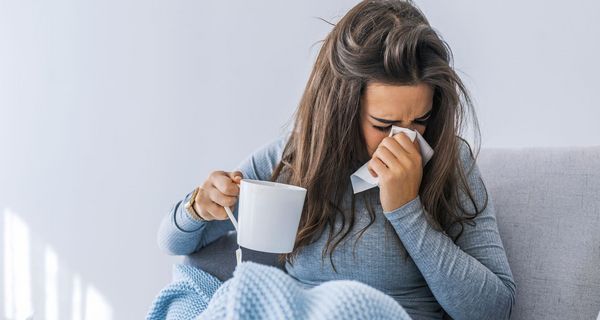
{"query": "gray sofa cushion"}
{"type": "Point", "coordinates": [547, 204]}
{"type": "Point", "coordinates": [548, 209]}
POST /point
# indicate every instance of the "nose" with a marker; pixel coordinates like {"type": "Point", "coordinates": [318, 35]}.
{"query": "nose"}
{"type": "Point", "coordinates": [411, 126]}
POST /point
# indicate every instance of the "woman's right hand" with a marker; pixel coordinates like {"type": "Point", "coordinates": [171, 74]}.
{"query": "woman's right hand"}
{"type": "Point", "coordinates": [219, 190]}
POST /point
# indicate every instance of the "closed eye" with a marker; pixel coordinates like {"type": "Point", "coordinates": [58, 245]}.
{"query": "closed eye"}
{"type": "Point", "coordinates": [422, 122]}
{"type": "Point", "coordinates": [383, 129]}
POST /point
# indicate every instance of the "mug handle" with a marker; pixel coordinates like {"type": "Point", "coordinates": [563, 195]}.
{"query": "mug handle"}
{"type": "Point", "coordinates": [232, 218]}
{"type": "Point", "coordinates": [238, 252]}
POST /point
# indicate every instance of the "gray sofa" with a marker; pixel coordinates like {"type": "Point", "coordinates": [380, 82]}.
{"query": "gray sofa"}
{"type": "Point", "coordinates": [547, 202]}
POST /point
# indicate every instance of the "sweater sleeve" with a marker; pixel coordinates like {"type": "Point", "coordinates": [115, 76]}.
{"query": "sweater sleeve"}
{"type": "Point", "coordinates": [470, 279]}
{"type": "Point", "coordinates": [180, 234]}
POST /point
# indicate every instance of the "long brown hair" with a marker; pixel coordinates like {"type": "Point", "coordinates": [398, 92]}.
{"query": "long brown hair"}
{"type": "Point", "coordinates": [384, 41]}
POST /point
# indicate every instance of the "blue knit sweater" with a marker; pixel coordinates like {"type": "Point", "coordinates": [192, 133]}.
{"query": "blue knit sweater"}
{"type": "Point", "coordinates": [467, 279]}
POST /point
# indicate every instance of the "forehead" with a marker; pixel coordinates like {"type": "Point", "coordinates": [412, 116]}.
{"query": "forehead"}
{"type": "Point", "coordinates": [384, 100]}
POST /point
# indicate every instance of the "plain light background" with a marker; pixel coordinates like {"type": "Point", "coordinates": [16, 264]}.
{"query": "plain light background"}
{"type": "Point", "coordinates": [111, 111]}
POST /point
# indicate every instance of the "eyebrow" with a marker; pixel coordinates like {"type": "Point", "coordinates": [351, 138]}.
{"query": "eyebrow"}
{"type": "Point", "coordinates": [394, 121]}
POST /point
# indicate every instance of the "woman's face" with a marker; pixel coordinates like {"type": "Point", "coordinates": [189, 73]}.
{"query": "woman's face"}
{"type": "Point", "coordinates": [385, 105]}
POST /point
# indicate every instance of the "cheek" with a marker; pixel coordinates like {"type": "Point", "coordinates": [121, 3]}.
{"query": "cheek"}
{"type": "Point", "coordinates": [373, 138]}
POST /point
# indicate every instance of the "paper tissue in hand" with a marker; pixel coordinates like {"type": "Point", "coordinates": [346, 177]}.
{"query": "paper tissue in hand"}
{"type": "Point", "coordinates": [363, 180]}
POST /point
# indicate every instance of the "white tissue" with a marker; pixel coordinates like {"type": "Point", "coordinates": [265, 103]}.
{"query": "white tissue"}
{"type": "Point", "coordinates": [363, 180]}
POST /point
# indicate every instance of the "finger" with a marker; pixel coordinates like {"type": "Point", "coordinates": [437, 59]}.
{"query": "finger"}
{"type": "Point", "coordinates": [220, 198]}
{"type": "Point", "coordinates": [373, 173]}
{"type": "Point", "coordinates": [370, 167]}
{"type": "Point", "coordinates": [386, 156]}
{"type": "Point", "coordinates": [405, 142]}
{"type": "Point", "coordinates": [403, 157]}
{"type": "Point", "coordinates": [394, 146]}
{"type": "Point", "coordinates": [411, 148]}
{"type": "Point", "coordinates": [218, 212]}
{"type": "Point", "coordinates": [236, 176]}
{"type": "Point", "coordinates": [215, 210]}
{"type": "Point", "coordinates": [207, 184]}
{"type": "Point", "coordinates": [223, 183]}
{"type": "Point", "coordinates": [377, 166]}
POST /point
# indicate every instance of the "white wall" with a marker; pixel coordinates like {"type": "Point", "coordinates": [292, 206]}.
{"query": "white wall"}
{"type": "Point", "coordinates": [110, 111]}
{"type": "Point", "coordinates": [532, 67]}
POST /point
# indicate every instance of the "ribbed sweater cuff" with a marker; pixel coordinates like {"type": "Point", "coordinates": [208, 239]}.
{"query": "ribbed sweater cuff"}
{"type": "Point", "coordinates": [184, 221]}
{"type": "Point", "coordinates": [412, 207]}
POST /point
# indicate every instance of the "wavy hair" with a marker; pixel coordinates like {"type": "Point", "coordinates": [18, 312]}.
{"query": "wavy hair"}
{"type": "Point", "coordinates": [390, 42]}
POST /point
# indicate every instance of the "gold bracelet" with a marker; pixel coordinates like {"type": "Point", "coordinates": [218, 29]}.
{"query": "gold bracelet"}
{"type": "Point", "coordinates": [189, 206]}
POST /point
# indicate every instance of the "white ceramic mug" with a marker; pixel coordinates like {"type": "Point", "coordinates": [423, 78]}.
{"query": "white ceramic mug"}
{"type": "Point", "coordinates": [268, 214]}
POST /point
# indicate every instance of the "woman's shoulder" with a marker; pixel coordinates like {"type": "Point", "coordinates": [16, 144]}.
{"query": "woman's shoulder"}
{"type": "Point", "coordinates": [466, 155]}
{"type": "Point", "coordinates": [262, 161]}
{"type": "Point", "coordinates": [472, 175]}
{"type": "Point", "coordinates": [272, 150]}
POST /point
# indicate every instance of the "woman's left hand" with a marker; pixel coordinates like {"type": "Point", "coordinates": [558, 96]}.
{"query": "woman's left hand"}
{"type": "Point", "coordinates": [397, 163]}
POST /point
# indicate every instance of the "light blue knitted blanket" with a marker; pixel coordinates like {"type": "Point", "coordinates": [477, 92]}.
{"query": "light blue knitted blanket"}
{"type": "Point", "coordinates": [258, 291]}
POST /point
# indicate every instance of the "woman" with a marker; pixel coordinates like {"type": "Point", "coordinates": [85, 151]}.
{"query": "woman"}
{"type": "Point", "coordinates": [428, 235]}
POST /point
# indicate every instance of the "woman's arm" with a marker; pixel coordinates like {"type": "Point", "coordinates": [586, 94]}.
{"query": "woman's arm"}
{"type": "Point", "coordinates": [180, 234]}
{"type": "Point", "coordinates": [471, 279]}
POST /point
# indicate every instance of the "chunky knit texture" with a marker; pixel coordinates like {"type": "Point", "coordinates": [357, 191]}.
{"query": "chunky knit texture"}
{"type": "Point", "coordinates": [263, 292]}
{"type": "Point", "coordinates": [186, 296]}
{"type": "Point", "coordinates": [469, 278]}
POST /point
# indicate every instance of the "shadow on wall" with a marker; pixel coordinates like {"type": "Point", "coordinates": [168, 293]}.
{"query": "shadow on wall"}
{"type": "Point", "coordinates": [44, 288]}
